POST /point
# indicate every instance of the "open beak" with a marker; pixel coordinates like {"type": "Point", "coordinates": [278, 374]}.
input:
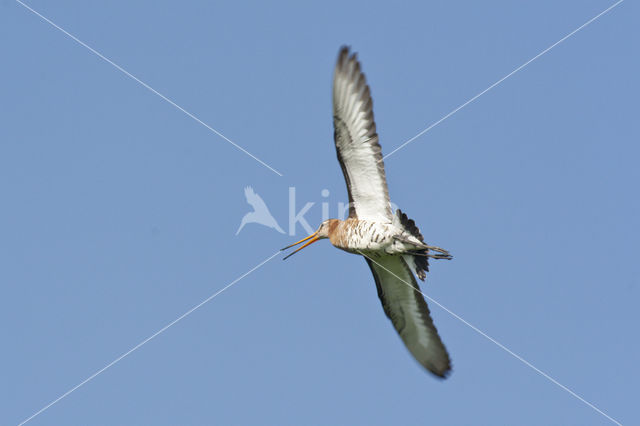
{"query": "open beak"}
{"type": "Point", "coordinates": [311, 239]}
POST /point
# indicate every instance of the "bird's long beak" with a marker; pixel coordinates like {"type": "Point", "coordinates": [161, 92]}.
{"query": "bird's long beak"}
{"type": "Point", "coordinates": [311, 238]}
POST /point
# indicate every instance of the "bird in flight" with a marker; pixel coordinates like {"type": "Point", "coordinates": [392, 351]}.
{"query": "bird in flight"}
{"type": "Point", "coordinates": [260, 213]}
{"type": "Point", "coordinates": [391, 244]}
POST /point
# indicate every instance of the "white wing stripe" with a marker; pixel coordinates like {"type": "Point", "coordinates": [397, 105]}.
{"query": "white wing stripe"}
{"type": "Point", "coordinates": [357, 142]}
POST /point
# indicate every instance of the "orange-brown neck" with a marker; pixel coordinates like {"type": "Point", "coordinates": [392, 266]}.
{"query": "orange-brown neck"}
{"type": "Point", "coordinates": [334, 230]}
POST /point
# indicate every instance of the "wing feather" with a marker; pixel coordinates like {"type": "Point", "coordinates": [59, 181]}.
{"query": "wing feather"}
{"type": "Point", "coordinates": [408, 311]}
{"type": "Point", "coordinates": [357, 145]}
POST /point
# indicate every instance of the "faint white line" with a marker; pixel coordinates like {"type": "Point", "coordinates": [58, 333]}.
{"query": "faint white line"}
{"type": "Point", "coordinates": [500, 345]}
{"type": "Point", "coordinates": [163, 329]}
{"type": "Point", "coordinates": [503, 79]}
{"type": "Point", "coordinates": [128, 74]}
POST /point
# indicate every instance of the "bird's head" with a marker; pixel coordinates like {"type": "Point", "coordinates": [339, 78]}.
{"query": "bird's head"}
{"type": "Point", "coordinates": [321, 233]}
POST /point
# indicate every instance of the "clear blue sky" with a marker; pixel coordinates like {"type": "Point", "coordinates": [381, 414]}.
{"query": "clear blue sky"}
{"type": "Point", "coordinates": [118, 212]}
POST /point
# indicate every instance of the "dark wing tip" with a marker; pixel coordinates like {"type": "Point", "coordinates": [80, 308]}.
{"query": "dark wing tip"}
{"type": "Point", "coordinates": [348, 67]}
{"type": "Point", "coordinates": [348, 62]}
{"type": "Point", "coordinates": [343, 55]}
{"type": "Point", "coordinates": [442, 375]}
{"type": "Point", "coordinates": [443, 369]}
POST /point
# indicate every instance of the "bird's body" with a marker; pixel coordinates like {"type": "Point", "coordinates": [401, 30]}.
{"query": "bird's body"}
{"type": "Point", "coordinates": [374, 238]}
{"type": "Point", "coordinates": [391, 243]}
{"type": "Point", "coordinates": [363, 236]}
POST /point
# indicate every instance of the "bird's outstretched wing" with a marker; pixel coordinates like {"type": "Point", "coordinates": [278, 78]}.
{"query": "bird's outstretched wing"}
{"type": "Point", "coordinates": [406, 308]}
{"type": "Point", "coordinates": [356, 141]}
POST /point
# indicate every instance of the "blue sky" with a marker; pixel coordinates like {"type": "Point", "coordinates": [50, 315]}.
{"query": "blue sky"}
{"type": "Point", "coordinates": [119, 212]}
